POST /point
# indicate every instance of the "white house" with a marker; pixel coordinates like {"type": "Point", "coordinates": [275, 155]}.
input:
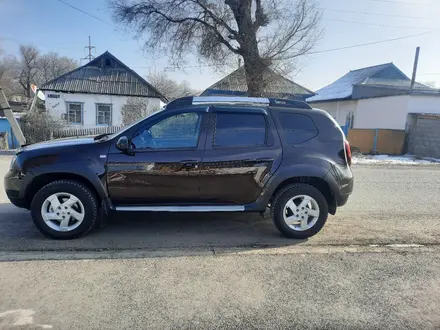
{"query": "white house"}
{"type": "Point", "coordinates": [375, 97]}
{"type": "Point", "coordinates": [93, 95]}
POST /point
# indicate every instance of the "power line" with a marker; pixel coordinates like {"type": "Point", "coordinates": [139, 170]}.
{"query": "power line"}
{"type": "Point", "coordinates": [376, 14]}
{"type": "Point", "coordinates": [402, 2]}
{"type": "Point", "coordinates": [371, 43]}
{"type": "Point", "coordinates": [86, 13]}
{"type": "Point", "coordinates": [378, 25]}
{"type": "Point", "coordinates": [325, 50]}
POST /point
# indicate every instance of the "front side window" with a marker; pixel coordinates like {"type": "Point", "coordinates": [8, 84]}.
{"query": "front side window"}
{"type": "Point", "coordinates": [104, 114]}
{"type": "Point", "coordinates": [239, 130]}
{"type": "Point", "coordinates": [177, 131]}
{"type": "Point", "coordinates": [75, 113]}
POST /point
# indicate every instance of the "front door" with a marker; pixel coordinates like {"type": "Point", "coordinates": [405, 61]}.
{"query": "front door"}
{"type": "Point", "coordinates": [163, 164]}
{"type": "Point", "coordinates": [241, 154]}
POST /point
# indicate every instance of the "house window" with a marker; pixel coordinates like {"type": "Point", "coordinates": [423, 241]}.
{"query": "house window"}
{"type": "Point", "coordinates": [75, 113]}
{"type": "Point", "coordinates": [104, 114]}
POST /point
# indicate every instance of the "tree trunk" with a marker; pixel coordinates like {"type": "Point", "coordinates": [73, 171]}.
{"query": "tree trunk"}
{"type": "Point", "coordinates": [254, 76]}
{"type": "Point", "coordinates": [247, 38]}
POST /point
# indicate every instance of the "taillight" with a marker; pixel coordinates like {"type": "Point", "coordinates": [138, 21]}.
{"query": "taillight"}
{"type": "Point", "coordinates": [347, 152]}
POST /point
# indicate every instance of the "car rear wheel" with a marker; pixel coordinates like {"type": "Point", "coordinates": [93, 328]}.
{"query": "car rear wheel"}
{"type": "Point", "coordinates": [299, 211]}
{"type": "Point", "coordinates": [64, 209]}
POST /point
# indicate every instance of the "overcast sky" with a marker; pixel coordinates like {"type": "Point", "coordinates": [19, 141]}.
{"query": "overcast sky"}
{"type": "Point", "coordinates": [53, 26]}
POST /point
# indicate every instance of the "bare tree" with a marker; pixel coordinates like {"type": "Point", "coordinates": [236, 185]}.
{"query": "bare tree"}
{"type": "Point", "coordinates": [8, 69]}
{"type": "Point", "coordinates": [169, 87]}
{"type": "Point", "coordinates": [52, 65]}
{"type": "Point", "coordinates": [135, 109]}
{"type": "Point", "coordinates": [28, 71]}
{"type": "Point", "coordinates": [17, 75]}
{"type": "Point", "coordinates": [266, 33]}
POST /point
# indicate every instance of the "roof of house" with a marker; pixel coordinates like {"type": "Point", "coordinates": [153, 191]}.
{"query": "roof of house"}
{"type": "Point", "coordinates": [384, 75]}
{"type": "Point", "coordinates": [103, 75]}
{"type": "Point", "coordinates": [275, 84]}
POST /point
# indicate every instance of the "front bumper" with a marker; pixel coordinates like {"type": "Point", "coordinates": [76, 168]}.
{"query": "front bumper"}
{"type": "Point", "coordinates": [15, 183]}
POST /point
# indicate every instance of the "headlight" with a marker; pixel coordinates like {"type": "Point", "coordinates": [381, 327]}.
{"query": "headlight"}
{"type": "Point", "coordinates": [12, 162]}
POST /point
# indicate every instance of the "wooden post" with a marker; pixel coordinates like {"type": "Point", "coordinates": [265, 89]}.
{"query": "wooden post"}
{"type": "Point", "coordinates": [416, 63]}
{"type": "Point", "coordinates": [34, 100]}
{"type": "Point", "coordinates": [4, 105]}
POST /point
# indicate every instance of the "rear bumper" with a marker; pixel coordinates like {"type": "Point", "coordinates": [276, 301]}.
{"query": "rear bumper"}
{"type": "Point", "coordinates": [341, 182]}
{"type": "Point", "coordinates": [342, 200]}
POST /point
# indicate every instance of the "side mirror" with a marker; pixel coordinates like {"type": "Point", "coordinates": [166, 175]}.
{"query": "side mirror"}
{"type": "Point", "coordinates": [123, 144]}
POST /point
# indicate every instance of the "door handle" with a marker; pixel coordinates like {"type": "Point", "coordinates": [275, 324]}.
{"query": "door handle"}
{"type": "Point", "coordinates": [264, 159]}
{"type": "Point", "coordinates": [189, 163]}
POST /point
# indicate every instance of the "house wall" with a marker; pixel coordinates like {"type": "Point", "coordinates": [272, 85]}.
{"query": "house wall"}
{"type": "Point", "coordinates": [391, 112]}
{"type": "Point", "coordinates": [56, 106]}
{"type": "Point", "coordinates": [424, 104]}
{"type": "Point", "coordinates": [383, 112]}
{"type": "Point", "coordinates": [338, 109]}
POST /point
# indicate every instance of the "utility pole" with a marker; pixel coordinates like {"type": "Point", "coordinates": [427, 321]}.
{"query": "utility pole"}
{"type": "Point", "coordinates": [89, 47]}
{"type": "Point", "coordinates": [4, 105]}
{"type": "Point", "coordinates": [416, 63]}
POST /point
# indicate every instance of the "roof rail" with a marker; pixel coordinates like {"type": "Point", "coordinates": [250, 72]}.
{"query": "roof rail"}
{"type": "Point", "coordinates": [194, 100]}
{"type": "Point", "coordinates": [289, 103]}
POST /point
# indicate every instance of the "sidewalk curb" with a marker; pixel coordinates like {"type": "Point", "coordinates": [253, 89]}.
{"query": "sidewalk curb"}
{"type": "Point", "coordinates": [7, 152]}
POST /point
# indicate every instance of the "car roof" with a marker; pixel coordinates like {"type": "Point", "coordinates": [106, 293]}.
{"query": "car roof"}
{"type": "Point", "coordinates": [236, 101]}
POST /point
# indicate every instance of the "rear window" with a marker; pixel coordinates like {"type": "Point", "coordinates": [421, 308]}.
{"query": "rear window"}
{"type": "Point", "coordinates": [239, 130]}
{"type": "Point", "coordinates": [297, 128]}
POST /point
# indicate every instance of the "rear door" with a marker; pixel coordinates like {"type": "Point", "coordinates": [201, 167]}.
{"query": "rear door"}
{"type": "Point", "coordinates": [242, 151]}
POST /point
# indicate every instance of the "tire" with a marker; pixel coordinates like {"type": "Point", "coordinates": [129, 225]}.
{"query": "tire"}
{"type": "Point", "coordinates": [317, 206]}
{"type": "Point", "coordinates": [85, 205]}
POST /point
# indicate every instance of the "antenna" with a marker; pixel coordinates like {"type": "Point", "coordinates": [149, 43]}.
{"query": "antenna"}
{"type": "Point", "coordinates": [89, 47]}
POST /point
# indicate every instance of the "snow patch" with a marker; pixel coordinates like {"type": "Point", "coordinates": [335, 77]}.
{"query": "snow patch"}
{"type": "Point", "coordinates": [360, 159]}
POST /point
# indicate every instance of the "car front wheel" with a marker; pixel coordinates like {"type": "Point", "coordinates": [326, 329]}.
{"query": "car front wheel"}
{"type": "Point", "coordinates": [64, 209]}
{"type": "Point", "coordinates": [299, 211]}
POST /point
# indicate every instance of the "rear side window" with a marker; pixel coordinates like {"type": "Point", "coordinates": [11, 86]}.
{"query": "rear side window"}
{"type": "Point", "coordinates": [297, 128]}
{"type": "Point", "coordinates": [239, 130]}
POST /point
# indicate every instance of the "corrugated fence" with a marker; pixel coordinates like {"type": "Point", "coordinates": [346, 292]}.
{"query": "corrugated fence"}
{"type": "Point", "coordinates": [5, 127]}
{"type": "Point", "coordinates": [378, 141]}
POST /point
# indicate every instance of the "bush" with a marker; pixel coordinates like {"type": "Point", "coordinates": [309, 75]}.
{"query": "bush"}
{"type": "Point", "coordinates": [39, 126]}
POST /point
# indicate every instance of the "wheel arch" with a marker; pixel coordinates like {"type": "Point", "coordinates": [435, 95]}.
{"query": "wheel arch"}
{"type": "Point", "coordinates": [41, 180]}
{"type": "Point", "coordinates": [312, 174]}
{"type": "Point", "coordinates": [317, 182]}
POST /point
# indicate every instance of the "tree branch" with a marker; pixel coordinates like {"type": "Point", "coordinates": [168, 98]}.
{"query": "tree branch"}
{"type": "Point", "coordinates": [216, 19]}
{"type": "Point", "coordinates": [261, 19]}
{"type": "Point", "coordinates": [221, 39]}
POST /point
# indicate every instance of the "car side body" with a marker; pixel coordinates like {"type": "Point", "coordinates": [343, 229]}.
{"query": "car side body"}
{"type": "Point", "coordinates": [222, 168]}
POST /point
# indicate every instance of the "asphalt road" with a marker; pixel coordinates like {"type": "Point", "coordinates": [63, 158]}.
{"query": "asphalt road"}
{"type": "Point", "coordinates": [389, 205]}
{"type": "Point", "coordinates": [374, 266]}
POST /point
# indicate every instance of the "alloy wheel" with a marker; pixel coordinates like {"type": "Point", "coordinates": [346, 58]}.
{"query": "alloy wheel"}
{"type": "Point", "coordinates": [62, 211]}
{"type": "Point", "coordinates": [301, 212]}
